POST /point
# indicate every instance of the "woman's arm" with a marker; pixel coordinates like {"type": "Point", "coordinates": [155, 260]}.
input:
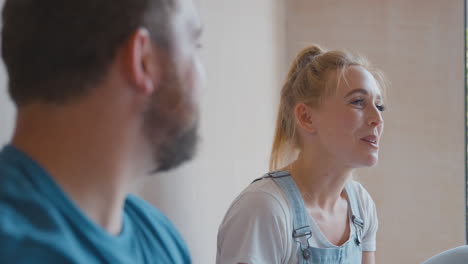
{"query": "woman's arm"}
{"type": "Point", "coordinates": [368, 257]}
{"type": "Point", "coordinates": [253, 231]}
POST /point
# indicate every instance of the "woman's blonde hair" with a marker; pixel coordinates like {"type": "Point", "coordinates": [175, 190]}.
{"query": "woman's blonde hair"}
{"type": "Point", "coordinates": [309, 81]}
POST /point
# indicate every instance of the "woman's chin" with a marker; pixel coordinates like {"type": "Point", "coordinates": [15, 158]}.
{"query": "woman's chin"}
{"type": "Point", "coordinates": [369, 161]}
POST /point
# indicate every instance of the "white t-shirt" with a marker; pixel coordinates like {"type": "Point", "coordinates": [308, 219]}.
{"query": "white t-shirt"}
{"type": "Point", "coordinates": [258, 226]}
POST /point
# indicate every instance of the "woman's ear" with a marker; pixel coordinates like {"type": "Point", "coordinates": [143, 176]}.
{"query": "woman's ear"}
{"type": "Point", "coordinates": [141, 63]}
{"type": "Point", "coordinates": [304, 115]}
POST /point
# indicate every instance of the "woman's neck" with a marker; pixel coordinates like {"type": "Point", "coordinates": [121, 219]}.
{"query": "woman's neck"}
{"type": "Point", "coordinates": [320, 182]}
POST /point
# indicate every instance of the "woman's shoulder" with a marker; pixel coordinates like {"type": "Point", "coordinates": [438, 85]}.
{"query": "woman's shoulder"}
{"type": "Point", "coordinates": [362, 194]}
{"type": "Point", "coordinates": [266, 186]}
{"type": "Point", "coordinates": [365, 203]}
{"type": "Point", "coordinates": [262, 195]}
{"type": "Point", "coordinates": [256, 226]}
{"type": "Point", "coordinates": [368, 213]}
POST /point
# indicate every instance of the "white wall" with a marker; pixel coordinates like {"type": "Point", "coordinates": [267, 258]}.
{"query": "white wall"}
{"type": "Point", "coordinates": [242, 52]}
{"type": "Point", "coordinates": [7, 111]}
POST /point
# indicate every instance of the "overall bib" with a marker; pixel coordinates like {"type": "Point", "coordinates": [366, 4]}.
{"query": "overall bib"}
{"type": "Point", "coordinates": [349, 253]}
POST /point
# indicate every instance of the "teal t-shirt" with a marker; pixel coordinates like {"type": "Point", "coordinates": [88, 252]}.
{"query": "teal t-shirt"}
{"type": "Point", "coordinates": [40, 224]}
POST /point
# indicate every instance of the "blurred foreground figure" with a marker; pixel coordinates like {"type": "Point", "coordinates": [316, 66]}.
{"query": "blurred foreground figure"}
{"type": "Point", "coordinates": [105, 93]}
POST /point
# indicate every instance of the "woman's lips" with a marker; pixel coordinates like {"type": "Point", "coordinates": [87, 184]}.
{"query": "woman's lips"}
{"type": "Point", "coordinates": [371, 141]}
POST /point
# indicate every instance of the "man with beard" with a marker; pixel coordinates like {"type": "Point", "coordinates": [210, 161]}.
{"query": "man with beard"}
{"type": "Point", "coordinates": [105, 93]}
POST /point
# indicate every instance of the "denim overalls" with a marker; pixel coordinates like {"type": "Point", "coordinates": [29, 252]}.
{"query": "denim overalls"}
{"type": "Point", "coordinates": [349, 253]}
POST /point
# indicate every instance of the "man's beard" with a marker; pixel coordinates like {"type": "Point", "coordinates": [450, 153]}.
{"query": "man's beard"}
{"type": "Point", "coordinates": [177, 149]}
{"type": "Point", "coordinates": [172, 141]}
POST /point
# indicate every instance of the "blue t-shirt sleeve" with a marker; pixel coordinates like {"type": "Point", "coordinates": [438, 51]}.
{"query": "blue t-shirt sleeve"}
{"type": "Point", "coordinates": [158, 228]}
{"type": "Point", "coordinates": [21, 244]}
{"type": "Point", "coordinates": [23, 251]}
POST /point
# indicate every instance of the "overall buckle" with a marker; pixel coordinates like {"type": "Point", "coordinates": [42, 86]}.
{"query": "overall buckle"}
{"type": "Point", "coordinates": [302, 235]}
{"type": "Point", "coordinates": [359, 224]}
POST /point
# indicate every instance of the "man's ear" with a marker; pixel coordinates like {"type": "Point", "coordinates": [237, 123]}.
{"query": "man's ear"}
{"type": "Point", "coordinates": [141, 62]}
{"type": "Point", "coordinates": [304, 115]}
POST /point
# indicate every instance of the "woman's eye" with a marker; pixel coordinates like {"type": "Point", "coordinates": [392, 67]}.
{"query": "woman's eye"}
{"type": "Point", "coordinates": [358, 102]}
{"type": "Point", "coordinates": [381, 108]}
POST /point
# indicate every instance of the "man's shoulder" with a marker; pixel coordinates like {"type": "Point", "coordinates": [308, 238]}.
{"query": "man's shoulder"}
{"type": "Point", "coordinates": [155, 226]}
{"type": "Point", "coordinates": [23, 211]}
{"type": "Point", "coordinates": [15, 183]}
{"type": "Point", "coordinates": [137, 207]}
{"type": "Point", "coordinates": [19, 202]}
{"type": "Point", "coordinates": [149, 217]}
{"type": "Point", "coordinates": [28, 222]}
{"type": "Point", "coordinates": [28, 228]}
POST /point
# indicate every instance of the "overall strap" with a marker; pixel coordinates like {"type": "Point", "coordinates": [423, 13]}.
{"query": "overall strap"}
{"type": "Point", "coordinates": [355, 213]}
{"type": "Point", "coordinates": [301, 229]}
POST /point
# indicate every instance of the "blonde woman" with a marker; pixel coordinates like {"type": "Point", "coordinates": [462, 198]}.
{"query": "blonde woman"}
{"type": "Point", "coordinates": [308, 209]}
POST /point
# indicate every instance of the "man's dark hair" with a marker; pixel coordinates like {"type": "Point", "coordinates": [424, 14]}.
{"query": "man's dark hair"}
{"type": "Point", "coordinates": [55, 50]}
